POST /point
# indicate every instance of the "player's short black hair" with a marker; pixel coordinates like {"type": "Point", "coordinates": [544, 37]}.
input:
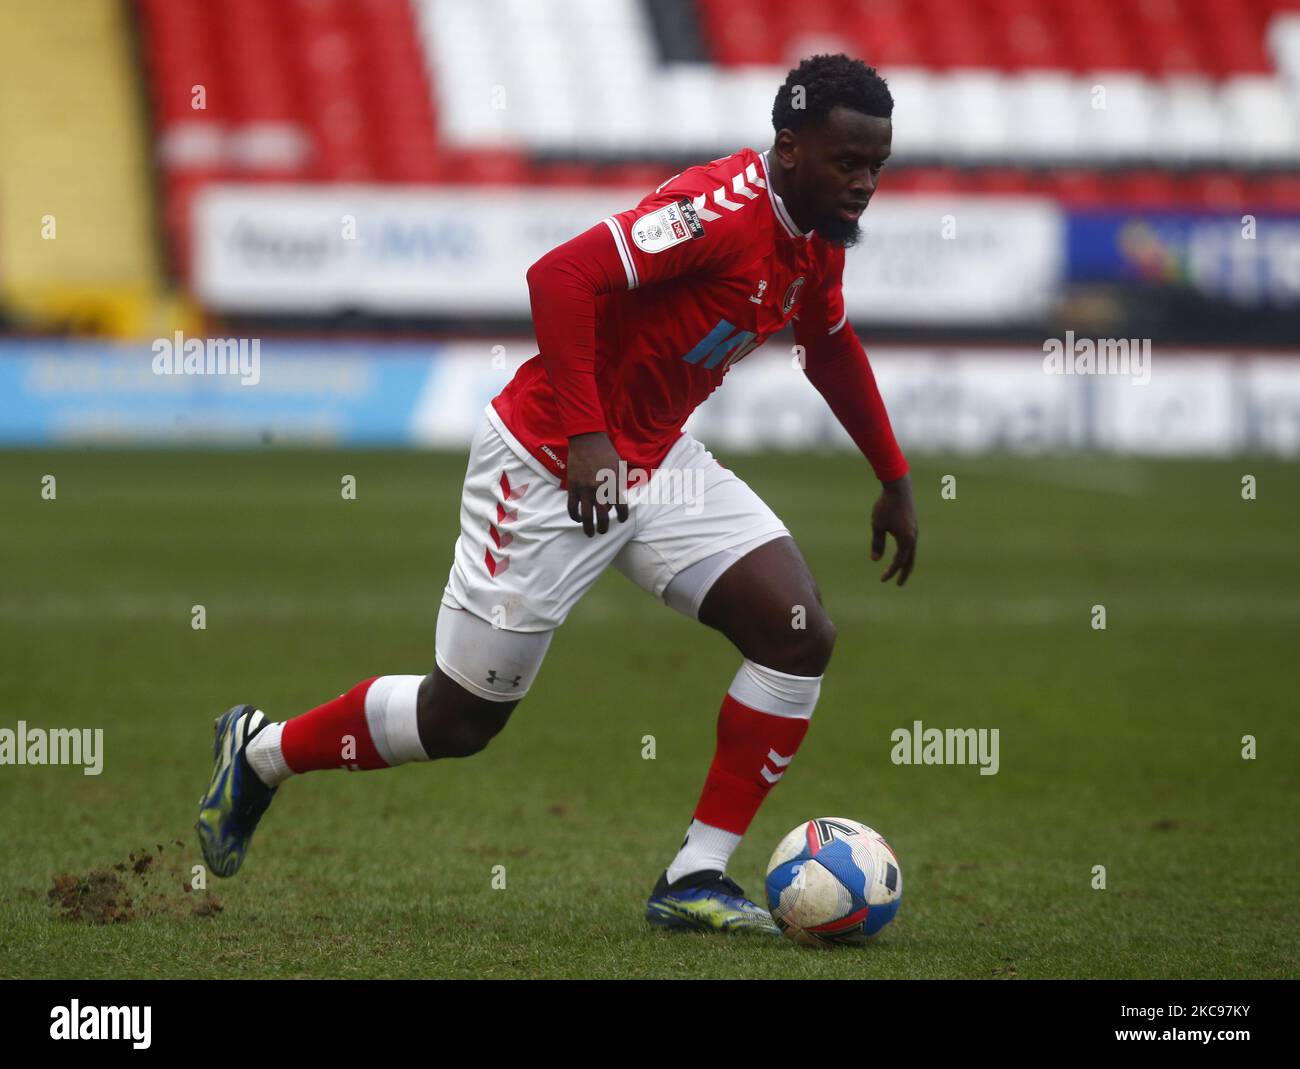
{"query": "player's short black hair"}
{"type": "Point", "coordinates": [826, 81]}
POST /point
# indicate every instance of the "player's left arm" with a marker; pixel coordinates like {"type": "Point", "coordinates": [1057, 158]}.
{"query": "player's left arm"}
{"type": "Point", "coordinates": [837, 365]}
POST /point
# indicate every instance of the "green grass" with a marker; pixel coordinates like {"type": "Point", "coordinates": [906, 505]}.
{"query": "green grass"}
{"type": "Point", "coordinates": [1118, 748]}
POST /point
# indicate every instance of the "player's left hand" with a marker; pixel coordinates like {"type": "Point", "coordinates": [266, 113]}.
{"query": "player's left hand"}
{"type": "Point", "coordinates": [895, 513]}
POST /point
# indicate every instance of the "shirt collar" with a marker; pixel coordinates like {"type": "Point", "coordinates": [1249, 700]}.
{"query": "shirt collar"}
{"type": "Point", "coordinates": [778, 205]}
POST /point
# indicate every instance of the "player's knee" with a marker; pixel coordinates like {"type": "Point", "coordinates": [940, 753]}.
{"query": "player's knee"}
{"type": "Point", "coordinates": [804, 648]}
{"type": "Point", "coordinates": [458, 736]}
{"type": "Point", "coordinates": [819, 646]}
{"type": "Point", "coordinates": [454, 723]}
{"type": "Point", "coordinates": [464, 738]}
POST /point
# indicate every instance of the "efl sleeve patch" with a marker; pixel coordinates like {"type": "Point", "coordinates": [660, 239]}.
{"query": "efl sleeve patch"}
{"type": "Point", "coordinates": [667, 226]}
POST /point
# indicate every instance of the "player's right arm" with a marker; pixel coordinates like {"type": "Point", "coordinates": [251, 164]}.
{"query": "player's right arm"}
{"type": "Point", "coordinates": [661, 238]}
{"type": "Point", "coordinates": [562, 288]}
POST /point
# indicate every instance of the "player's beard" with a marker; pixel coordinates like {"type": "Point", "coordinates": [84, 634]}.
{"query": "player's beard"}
{"type": "Point", "coordinates": [842, 232]}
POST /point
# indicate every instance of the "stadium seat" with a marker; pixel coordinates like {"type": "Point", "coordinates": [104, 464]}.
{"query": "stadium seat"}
{"type": "Point", "coordinates": [1260, 119]}
{"type": "Point", "coordinates": [1122, 98]}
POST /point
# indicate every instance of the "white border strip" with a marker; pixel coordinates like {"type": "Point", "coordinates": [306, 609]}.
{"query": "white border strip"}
{"type": "Point", "coordinates": [777, 206]}
{"type": "Point", "coordinates": [624, 253]}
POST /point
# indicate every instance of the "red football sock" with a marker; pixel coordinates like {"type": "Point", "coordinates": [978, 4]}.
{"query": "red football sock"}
{"type": "Point", "coordinates": [333, 735]}
{"type": "Point", "coordinates": [753, 750]}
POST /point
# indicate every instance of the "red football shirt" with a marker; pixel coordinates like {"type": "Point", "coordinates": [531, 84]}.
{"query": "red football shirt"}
{"type": "Point", "coordinates": [640, 318]}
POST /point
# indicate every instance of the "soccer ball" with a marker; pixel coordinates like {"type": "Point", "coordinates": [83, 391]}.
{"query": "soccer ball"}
{"type": "Point", "coordinates": [833, 881]}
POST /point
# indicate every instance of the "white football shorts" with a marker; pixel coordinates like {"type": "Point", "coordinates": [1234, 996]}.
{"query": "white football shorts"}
{"type": "Point", "coordinates": [522, 564]}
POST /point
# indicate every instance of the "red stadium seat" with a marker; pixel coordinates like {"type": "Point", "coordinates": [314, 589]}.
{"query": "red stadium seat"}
{"type": "Point", "coordinates": [1280, 192]}
{"type": "Point", "coordinates": [1145, 189]}
{"type": "Point", "coordinates": [1219, 189]}
{"type": "Point", "coordinates": [483, 167]}
{"type": "Point", "coordinates": [1003, 180]}
{"type": "Point", "coordinates": [1027, 37]}
{"type": "Point", "coordinates": [1078, 188]}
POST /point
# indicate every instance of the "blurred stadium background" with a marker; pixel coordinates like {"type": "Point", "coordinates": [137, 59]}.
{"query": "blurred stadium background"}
{"type": "Point", "coordinates": [361, 184]}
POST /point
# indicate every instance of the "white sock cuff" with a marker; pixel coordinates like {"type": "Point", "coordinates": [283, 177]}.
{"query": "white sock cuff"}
{"type": "Point", "coordinates": [777, 693]}
{"type": "Point", "coordinates": [402, 722]}
{"type": "Point", "coordinates": [706, 847]}
{"type": "Point", "coordinates": [391, 718]}
{"type": "Point", "coordinates": [266, 757]}
{"type": "Point", "coordinates": [376, 707]}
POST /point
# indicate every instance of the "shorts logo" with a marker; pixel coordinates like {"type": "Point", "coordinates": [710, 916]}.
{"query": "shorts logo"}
{"type": "Point", "coordinates": [501, 539]}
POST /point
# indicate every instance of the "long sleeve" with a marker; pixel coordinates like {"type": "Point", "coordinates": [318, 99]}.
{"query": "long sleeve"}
{"type": "Point", "coordinates": [562, 289]}
{"type": "Point", "coordinates": [837, 366]}
{"type": "Point", "coordinates": [661, 238]}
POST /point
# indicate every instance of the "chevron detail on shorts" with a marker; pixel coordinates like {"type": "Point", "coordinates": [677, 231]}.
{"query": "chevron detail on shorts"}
{"type": "Point", "coordinates": [499, 563]}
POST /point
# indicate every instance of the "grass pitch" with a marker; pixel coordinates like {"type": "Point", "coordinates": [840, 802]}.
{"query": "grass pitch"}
{"type": "Point", "coordinates": [1120, 748]}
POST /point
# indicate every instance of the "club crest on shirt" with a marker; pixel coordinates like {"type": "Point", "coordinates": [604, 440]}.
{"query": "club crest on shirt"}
{"type": "Point", "coordinates": [791, 295]}
{"type": "Point", "coordinates": [667, 226]}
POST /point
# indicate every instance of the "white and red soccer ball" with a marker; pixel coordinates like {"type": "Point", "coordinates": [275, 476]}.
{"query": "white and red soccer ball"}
{"type": "Point", "coordinates": [833, 881]}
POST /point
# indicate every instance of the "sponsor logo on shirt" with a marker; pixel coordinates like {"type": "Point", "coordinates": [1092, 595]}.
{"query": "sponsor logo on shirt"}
{"type": "Point", "coordinates": [667, 226]}
{"type": "Point", "coordinates": [692, 217]}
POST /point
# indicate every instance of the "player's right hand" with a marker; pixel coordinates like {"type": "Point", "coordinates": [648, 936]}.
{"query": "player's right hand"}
{"type": "Point", "coordinates": [597, 482]}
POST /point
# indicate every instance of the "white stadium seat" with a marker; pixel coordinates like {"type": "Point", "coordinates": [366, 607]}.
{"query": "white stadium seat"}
{"type": "Point", "coordinates": [972, 113]}
{"type": "Point", "coordinates": [1261, 119]}
{"type": "Point", "coordinates": [916, 128]}
{"type": "Point", "coordinates": [1046, 110]}
{"type": "Point", "coordinates": [1190, 123]}
{"type": "Point", "coordinates": [583, 76]}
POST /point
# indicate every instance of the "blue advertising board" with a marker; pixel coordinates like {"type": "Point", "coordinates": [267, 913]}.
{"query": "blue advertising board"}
{"type": "Point", "coordinates": [54, 391]}
{"type": "Point", "coordinates": [1248, 259]}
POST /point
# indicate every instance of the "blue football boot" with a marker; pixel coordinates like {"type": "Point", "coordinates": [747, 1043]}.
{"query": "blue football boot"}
{"type": "Point", "coordinates": [236, 798]}
{"type": "Point", "coordinates": [706, 901]}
